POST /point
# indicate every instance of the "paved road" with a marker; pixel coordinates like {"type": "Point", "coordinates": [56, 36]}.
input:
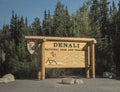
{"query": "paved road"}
{"type": "Point", "coordinates": [53, 85]}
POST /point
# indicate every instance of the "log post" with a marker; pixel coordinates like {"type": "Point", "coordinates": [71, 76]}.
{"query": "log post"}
{"type": "Point", "coordinates": [93, 60]}
{"type": "Point", "coordinates": [88, 63]}
{"type": "Point", "coordinates": [39, 61]}
{"type": "Point", "coordinates": [43, 60]}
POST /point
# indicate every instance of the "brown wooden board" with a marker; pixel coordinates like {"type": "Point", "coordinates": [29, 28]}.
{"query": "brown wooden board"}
{"type": "Point", "coordinates": [64, 54]}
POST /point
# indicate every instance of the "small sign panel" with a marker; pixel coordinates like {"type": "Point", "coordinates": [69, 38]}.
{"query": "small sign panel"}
{"type": "Point", "coordinates": [31, 47]}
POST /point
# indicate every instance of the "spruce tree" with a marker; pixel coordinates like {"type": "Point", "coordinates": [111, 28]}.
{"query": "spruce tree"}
{"type": "Point", "coordinates": [81, 23]}
{"type": "Point", "coordinates": [116, 39]}
{"type": "Point", "coordinates": [47, 24]}
{"type": "Point", "coordinates": [61, 21]}
{"type": "Point", "coordinates": [104, 17]}
{"type": "Point", "coordinates": [67, 23]}
{"type": "Point", "coordinates": [26, 21]}
{"type": "Point", "coordinates": [107, 48]}
{"type": "Point", "coordinates": [36, 26]}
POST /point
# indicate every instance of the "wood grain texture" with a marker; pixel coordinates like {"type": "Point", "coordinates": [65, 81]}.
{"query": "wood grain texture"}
{"type": "Point", "coordinates": [43, 61]}
{"type": "Point", "coordinates": [61, 38]}
{"type": "Point", "coordinates": [62, 57]}
{"type": "Point", "coordinates": [93, 60]}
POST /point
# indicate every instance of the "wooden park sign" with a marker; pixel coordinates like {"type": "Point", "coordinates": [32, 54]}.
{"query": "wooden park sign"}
{"type": "Point", "coordinates": [63, 52]}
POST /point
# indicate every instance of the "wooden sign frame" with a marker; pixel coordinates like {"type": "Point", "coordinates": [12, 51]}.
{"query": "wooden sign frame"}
{"type": "Point", "coordinates": [47, 45]}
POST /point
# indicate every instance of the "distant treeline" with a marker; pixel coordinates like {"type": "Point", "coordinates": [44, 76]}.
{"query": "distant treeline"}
{"type": "Point", "coordinates": [97, 19]}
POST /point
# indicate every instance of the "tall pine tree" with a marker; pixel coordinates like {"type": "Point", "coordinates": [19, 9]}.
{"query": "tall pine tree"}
{"type": "Point", "coordinates": [81, 22]}
{"type": "Point", "coordinates": [36, 27]}
{"type": "Point", "coordinates": [116, 39]}
{"type": "Point", "coordinates": [47, 24]}
{"type": "Point", "coordinates": [61, 21]}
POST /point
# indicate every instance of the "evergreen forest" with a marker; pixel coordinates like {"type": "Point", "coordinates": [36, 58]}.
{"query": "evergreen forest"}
{"type": "Point", "coordinates": [97, 19]}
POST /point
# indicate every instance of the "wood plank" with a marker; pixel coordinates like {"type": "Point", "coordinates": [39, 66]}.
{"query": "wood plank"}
{"type": "Point", "coordinates": [65, 54]}
{"type": "Point", "coordinates": [61, 38]}
{"type": "Point", "coordinates": [82, 66]}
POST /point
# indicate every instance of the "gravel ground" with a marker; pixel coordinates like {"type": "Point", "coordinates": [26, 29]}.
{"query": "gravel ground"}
{"type": "Point", "coordinates": [53, 85]}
